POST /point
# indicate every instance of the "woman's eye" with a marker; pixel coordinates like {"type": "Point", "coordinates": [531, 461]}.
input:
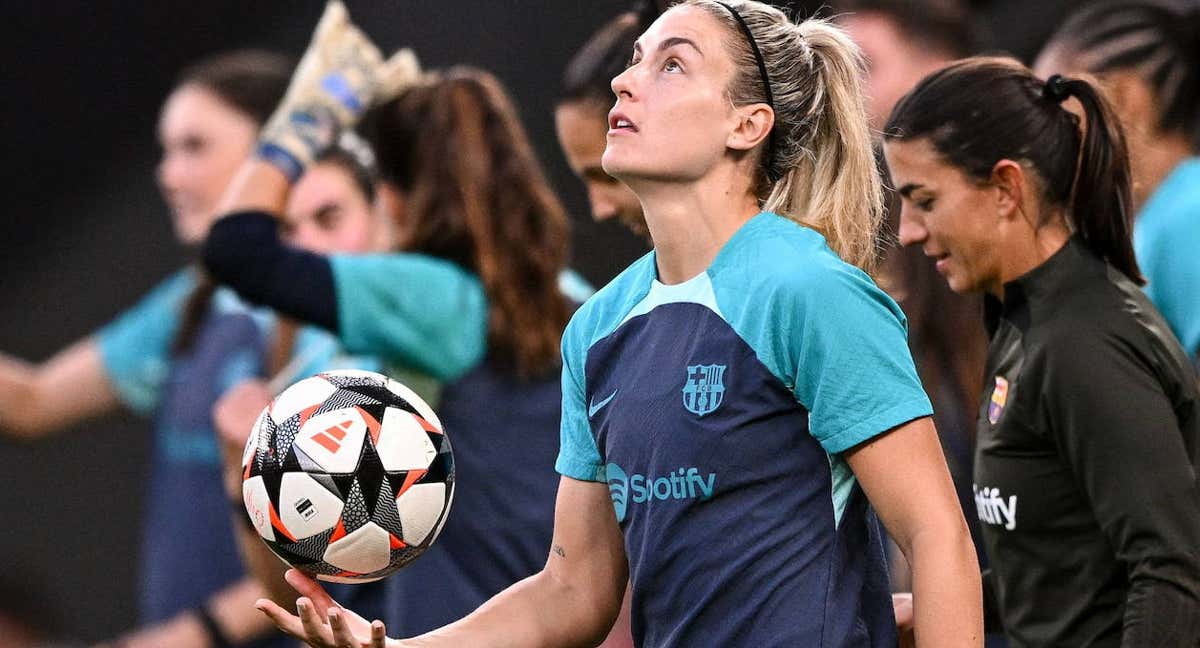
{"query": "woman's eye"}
{"type": "Point", "coordinates": [926, 204]}
{"type": "Point", "coordinates": [631, 62]}
{"type": "Point", "coordinates": [672, 66]}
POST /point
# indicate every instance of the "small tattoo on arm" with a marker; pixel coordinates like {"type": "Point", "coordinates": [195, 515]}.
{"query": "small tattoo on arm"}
{"type": "Point", "coordinates": [559, 550]}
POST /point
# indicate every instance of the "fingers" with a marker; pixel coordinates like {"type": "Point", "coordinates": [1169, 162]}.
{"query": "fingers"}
{"type": "Point", "coordinates": [310, 588]}
{"type": "Point", "coordinates": [378, 634]}
{"type": "Point", "coordinates": [342, 636]}
{"type": "Point", "coordinates": [332, 19]}
{"type": "Point", "coordinates": [281, 618]}
{"type": "Point", "coordinates": [314, 626]}
{"type": "Point", "coordinates": [397, 73]}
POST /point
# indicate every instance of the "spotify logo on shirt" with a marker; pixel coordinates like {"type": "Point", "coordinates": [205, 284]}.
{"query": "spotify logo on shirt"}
{"type": "Point", "coordinates": [683, 483]}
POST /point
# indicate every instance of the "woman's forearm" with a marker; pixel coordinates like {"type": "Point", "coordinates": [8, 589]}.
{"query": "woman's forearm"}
{"type": "Point", "coordinates": [31, 395]}
{"type": "Point", "coordinates": [539, 611]}
{"type": "Point", "coordinates": [947, 590]}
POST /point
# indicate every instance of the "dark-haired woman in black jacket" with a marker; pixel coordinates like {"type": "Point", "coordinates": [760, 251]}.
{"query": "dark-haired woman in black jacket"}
{"type": "Point", "coordinates": [1089, 432]}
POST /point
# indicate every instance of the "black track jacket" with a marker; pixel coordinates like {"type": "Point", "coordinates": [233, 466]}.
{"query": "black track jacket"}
{"type": "Point", "coordinates": [1085, 466]}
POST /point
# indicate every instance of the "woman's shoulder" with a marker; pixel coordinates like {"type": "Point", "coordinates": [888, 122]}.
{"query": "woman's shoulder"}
{"type": "Point", "coordinates": [1104, 314]}
{"type": "Point", "coordinates": [781, 256]}
{"type": "Point", "coordinates": [779, 250]}
{"type": "Point", "coordinates": [604, 310]}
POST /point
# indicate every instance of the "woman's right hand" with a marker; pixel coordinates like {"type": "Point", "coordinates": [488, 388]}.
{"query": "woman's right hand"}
{"type": "Point", "coordinates": [320, 621]}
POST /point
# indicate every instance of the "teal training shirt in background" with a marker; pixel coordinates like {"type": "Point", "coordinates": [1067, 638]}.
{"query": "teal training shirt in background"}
{"type": "Point", "coordinates": [416, 311]}
{"type": "Point", "coordinates": [136, 346]}
{"type": "Point", "coordinates": [717, 410]}
{"type": "Point", "coordinates": [1166, 238]}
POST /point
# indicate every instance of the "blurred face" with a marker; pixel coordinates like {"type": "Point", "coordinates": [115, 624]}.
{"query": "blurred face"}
{"type": "Point", "coordinates": [673, 117]}
{"type": "Point", "coordinates": [326, 213]}
{"type": "Point", "coordinates": [581, 130]}
{"type": "Point", "coordinates": [949, 215]}
{"type": "Point", "coordinates": [203, 140]}
{"type": "Point", "coordinates": [894, 64]}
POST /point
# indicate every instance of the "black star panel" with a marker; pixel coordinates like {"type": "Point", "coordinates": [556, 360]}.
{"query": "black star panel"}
{"type": "Point", "coordinates": [370, 474]}
{"type": "Point", "coordinates": [385, 514]}
{"type": "Point", "coordinates": [355, 514]}
{"type": "Point", "coordinates": [310, 549]}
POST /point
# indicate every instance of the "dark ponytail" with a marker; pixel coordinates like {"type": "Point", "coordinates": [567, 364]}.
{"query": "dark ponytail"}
{"type": "Point", "coordinates": [978, 111]}
{"type": "Point", "coordinates": [1101, 203]}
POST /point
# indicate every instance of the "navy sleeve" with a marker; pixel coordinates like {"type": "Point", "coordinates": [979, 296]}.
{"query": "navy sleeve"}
{"type": "Point", "coordinates": [244, 252]}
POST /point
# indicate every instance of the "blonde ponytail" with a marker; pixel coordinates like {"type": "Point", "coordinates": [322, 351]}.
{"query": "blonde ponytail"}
{"type": "Point", "coordinates": [823, 159]}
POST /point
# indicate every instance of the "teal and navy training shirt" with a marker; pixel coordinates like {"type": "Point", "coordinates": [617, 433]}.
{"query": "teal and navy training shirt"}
{"type": "Point", "coordinates": [717, 410]}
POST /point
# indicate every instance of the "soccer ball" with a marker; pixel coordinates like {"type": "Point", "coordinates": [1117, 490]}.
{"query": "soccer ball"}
{"type": "Point", "coordinates": [348, 476]}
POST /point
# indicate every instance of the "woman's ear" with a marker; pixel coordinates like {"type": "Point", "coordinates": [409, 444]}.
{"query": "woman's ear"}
{"type": "Point", "coordinates": [753, 126]}
{"type": "Point", "coordinates": [1008, 178]}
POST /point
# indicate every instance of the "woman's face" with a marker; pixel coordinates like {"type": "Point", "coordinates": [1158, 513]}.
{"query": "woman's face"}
{"type": "Point", "coordinates": [581, 127]}
{"type": "Point", "coordinates": [203, 140]}
{"type": "Point", "coordinates": [327, 213]}
{"type": "Point", "coordinates": [673, 117]}
{"type": "Point", "coordinates": [952, 217]}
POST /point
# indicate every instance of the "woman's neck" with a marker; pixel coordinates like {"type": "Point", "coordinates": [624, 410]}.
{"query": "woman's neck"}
{"type": "Point", "coordinates": [690, 223]}
{"type": "Point", "coordinates": [1023, 257]}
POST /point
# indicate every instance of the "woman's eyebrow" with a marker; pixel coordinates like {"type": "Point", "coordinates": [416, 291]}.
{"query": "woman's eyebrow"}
{"type": "Point", "coordinates": [679, 40]}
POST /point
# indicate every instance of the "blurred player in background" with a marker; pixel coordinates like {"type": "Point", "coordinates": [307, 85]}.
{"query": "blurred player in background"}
{"type": "Point", "coordinates": [1085, 470]}
{"type": "Point", "coordinates": [734, 396]}
{"type": "Point", "coordinates": [471, 297]}
{"type": "Point", "coordinates": [902, 41]}
{"type": "Point", "coordinates": [581, 114]}
{"type": "Point", "coordinates": [148, 359]}
{"type": "Point", "coordinates": [1147, 55]}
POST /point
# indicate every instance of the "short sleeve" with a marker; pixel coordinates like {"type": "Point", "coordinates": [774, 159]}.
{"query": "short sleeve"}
{"type": "Point", "coordinates": [416, 311]}
{"type": "Point", "coordinates": [852, 366]}
{"type": "Point", "coordinates": [578, 455]}
{"type": "Point", "coordinates": [136, 346]}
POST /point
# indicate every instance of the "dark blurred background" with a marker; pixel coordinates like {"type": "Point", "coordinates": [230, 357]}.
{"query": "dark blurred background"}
{"type": "Point", "coordinates": [84, 232]}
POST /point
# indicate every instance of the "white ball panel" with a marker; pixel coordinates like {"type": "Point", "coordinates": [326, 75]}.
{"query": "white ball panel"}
{"type": "Point", "coordinates": [334, 439]}
{"type": "Point", "coordinates": [302, 395]}
{"type": "Point", "coordinates": [367, 549]}
{"type": "Point", "coordinates": [420, 508]}
{"type": "Point", "coordinates": [403, 443]}
{"type": "Point", "coordinates": [417, 402]}
{"type": "Point", "coordinates": [445, 515]}
{"type": "Point", "coordinates": [258, 506]}
{"type": "Point", "coordinates": [306, 507]}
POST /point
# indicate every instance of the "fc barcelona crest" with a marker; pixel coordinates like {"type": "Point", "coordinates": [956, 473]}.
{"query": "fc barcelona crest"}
{"type": "Point", "coordinates": [999, 400]}
{"type": "Point", "coordinates": [704, 389]}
